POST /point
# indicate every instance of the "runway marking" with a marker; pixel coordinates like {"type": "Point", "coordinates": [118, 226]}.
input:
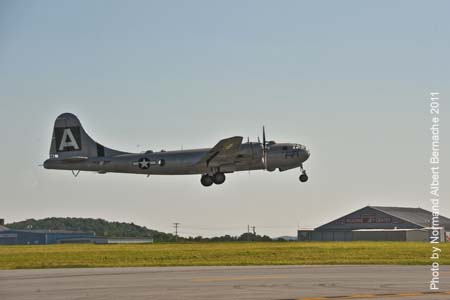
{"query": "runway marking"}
{"type": "Point", "coordinates": [369, 296]}
{"type": "Point", "coordinates": [236, 278]}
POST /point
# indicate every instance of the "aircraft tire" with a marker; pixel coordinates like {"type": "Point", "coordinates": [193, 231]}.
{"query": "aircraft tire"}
{"type": "Point", "coordinates": [219, 178]}
{"type": "Point", "coordinates": [207, 180]}
{"type": "Point", "coordinates": [303, 178]}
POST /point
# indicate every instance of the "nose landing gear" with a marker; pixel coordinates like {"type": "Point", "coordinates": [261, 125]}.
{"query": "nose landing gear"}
{"type": "Point", "coordinates": [303, 177]}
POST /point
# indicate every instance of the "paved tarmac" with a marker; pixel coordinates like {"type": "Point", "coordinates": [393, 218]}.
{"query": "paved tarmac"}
{"type": "Point", "coordinates": [262, 282]}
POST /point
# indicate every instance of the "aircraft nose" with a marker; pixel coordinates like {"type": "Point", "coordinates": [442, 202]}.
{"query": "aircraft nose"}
{"type": "Point", "coordinates": [307, 153]}
{"type": "Point", "coordinates": [304, 153]}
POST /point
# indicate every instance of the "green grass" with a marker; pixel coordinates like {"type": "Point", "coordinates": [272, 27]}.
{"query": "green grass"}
{"type": "Point", "coordinates": [226, 254]}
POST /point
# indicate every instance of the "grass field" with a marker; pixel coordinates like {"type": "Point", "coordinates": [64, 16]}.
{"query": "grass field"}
{"type": "Point", "coordinates": [205, 254]}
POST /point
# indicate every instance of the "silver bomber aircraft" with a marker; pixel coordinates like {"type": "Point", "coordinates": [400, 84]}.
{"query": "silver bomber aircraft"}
{"type": "Point", "coordinates": [73, 149]}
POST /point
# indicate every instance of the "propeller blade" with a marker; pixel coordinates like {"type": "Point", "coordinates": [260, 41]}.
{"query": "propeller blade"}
{"type": "Point", "coordinates": [264, 137]}
{"type": "Point", "coordinates": [264, 148]}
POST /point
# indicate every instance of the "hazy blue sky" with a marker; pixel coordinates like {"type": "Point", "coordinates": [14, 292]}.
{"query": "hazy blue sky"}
{"type": "Point", "coordinates": [348, 79]}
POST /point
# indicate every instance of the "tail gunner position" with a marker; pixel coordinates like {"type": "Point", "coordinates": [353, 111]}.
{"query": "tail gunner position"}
{"type": "Point", "coordinates": [73, 149]}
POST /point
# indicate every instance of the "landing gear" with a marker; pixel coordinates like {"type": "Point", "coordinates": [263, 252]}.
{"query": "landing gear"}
{"type": "Point", "coordinates": [207, 180]}
{"type": "Point", "coordinates": [303, 177]}
{"type": "Point", "coordinates": [219, 178]}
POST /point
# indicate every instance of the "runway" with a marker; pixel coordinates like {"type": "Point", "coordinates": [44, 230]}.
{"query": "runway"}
{"type": "Point", "coordinates": [261, 282]}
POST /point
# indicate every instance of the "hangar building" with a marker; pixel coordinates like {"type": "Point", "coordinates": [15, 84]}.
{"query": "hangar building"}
{"type": "Point", "coordinates": [379, 223]}
{"type": "Point", "coordinates": [41, 237]}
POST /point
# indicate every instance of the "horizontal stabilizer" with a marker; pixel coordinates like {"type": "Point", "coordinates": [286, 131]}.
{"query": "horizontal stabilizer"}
{"type": "Point", "coordinates": [74, 159]}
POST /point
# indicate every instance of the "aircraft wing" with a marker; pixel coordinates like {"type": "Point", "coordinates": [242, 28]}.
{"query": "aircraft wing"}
{"type": "Point", "coordinates": [224, 152]}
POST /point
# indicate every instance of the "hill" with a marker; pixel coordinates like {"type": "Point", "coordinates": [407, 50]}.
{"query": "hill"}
{"type": "Point", "coordinates": [99, 226]}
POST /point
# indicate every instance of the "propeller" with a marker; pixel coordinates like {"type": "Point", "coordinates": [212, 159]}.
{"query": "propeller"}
{"type": "Point", "coordinates": [264, 137]}
{"type": "Point", "coordinates": [264, 149]}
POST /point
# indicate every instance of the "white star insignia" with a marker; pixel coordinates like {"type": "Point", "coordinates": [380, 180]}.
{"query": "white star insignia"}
{"type": "Point", "coordinates": [143, 163]}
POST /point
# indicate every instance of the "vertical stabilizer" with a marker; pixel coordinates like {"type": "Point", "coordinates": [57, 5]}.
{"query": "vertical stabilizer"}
{"type": "Point", "coordinates": [69, 140]}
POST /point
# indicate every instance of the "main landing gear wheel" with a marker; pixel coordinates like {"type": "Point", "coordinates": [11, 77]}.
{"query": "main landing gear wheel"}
{"type": "Point", "coordinates": [219, 178]}
{"type": "Point", "coordinates": [207, 180]}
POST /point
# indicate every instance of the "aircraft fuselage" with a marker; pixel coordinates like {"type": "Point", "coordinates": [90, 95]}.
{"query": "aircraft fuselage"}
{"type": "Point", "coordinates": [73, 149]}
{"type": "Point", "coordinates": [184, 162]}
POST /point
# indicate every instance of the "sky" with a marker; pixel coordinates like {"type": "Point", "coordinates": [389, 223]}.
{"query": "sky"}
{"type": "Point", "coordinates": [350, 80]}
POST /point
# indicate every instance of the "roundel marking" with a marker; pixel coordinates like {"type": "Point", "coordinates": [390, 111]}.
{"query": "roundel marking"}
{"type": "Point", "coordinates": [143, 163]}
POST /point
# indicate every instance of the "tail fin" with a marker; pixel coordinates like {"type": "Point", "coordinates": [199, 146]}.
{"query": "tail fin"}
{"type": "Point", "coordinates": [69, 140]}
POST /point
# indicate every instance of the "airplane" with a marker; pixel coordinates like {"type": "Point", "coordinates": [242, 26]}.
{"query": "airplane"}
{"type": "Point", "coordinates": [74, 150]}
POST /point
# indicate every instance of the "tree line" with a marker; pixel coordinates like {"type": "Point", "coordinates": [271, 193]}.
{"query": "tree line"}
{"type": "Point", "coordinates": [103, 228]}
